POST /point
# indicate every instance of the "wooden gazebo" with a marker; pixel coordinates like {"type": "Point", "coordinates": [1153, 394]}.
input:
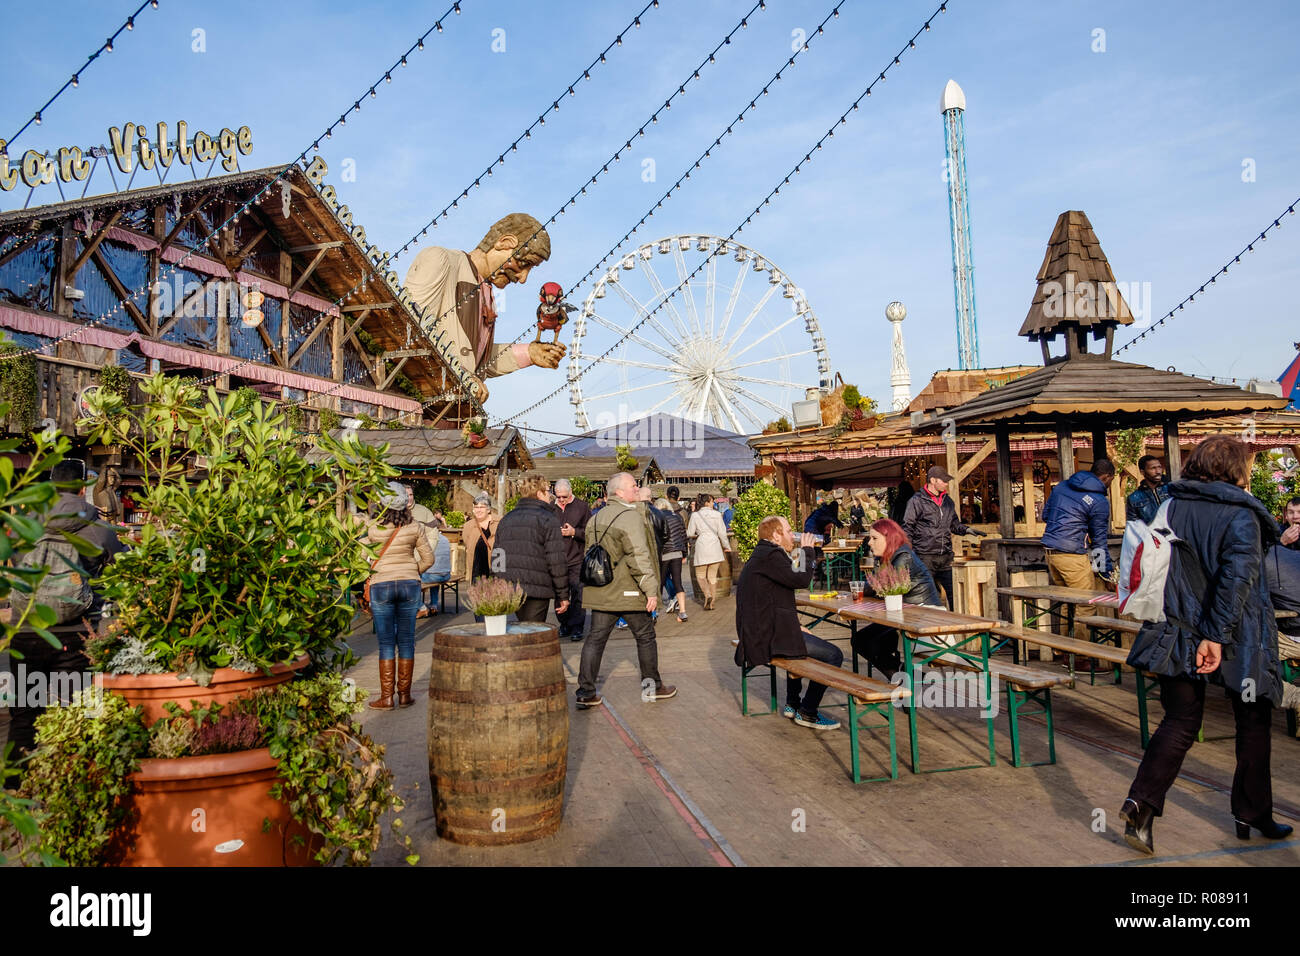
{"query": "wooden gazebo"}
{"type": "Point", "coordinates": [1082, 391]}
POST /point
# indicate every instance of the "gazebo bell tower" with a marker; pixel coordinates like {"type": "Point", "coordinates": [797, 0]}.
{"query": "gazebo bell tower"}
{"type": "Point", "coordinates": [1077, 297]}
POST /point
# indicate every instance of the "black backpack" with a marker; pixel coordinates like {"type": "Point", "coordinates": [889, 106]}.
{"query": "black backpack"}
{"type": "Point", "coordinates": [597, 568]}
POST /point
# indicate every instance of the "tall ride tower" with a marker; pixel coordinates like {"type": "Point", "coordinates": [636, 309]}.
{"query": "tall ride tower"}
{"type": "Point", "coordinates": [953, 105]}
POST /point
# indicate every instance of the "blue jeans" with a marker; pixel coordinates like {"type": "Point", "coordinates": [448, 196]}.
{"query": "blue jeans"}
{"type": "Point", "coordinates": [434, 577]}
{"type": "Point", "coordinates": [818, 650]}
{"type": "Point", "coordinates": [393, 605]}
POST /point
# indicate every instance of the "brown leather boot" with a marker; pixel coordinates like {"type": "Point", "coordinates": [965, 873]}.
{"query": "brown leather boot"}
{"type": "Point", "coordinates": [405, 668]}
{"type": "Point", "coordinates": [387, 670]}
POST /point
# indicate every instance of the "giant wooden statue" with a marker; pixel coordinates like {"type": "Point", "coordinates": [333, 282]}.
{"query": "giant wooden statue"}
{"type": "Point", "coordinates": [454, 293]}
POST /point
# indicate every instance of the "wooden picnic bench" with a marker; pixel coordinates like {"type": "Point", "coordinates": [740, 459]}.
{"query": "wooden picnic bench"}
{"type": "Point", "coordinates": [866, 696]}
{"type": "Point", "coordinates": [1024, 684]}
{"type": "Point", "coordinates": [452, 584]}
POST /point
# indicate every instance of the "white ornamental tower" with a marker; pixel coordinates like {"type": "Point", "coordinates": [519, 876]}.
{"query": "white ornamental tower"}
{"type": "Point", "coordinates": [899, 377]}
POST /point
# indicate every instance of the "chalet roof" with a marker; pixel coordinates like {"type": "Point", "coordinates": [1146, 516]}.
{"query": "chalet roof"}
{"type": "Point", "coordinates": [443, 449]}
{"type": "Point", "coordinates": [572, 466]}
{"type": "Point", "coordinates": [1104, 393]}
{"type": "Point", "coordinates": [1076, 287]}
{"type": "Point", "coordinates": [311, 230]}
{"type": "Point", "coordinates": [682, 448]}
{"type": "Point", "coordinates": [949, 387]}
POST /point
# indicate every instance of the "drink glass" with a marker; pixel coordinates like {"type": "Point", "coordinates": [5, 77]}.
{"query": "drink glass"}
{"type": "Point", "coordinates": [857, 589]}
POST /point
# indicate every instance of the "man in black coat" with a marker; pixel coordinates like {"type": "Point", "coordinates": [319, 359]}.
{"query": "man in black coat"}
{"type": "Point", "coordinates": [768, 624]}
{"type": "Point", "coordinates": [574, 515]}
{"type": "Point", "coordinates": [1143, 504]}
{"type": "Point", "coordinates": [531, 550]}
{"type": "Point", "coordinates": [930, 522]}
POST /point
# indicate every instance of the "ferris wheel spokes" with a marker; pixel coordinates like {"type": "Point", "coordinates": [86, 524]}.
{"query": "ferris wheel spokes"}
{"type": "Point", "coordinates": [731, 303]}
{"type": "Point", "coordinates": [660, 293]}
{"type": "Point", "coordinates": [753, 314]}
{"type": "Point", "coordinates": [774, 358]}
{"type": "Point", "coordinates": [683, 275]}
{"type": "Point", "coordinates": [641, 311]}
{"type": "Point", "coordinates": [615, 327]}
{"type": "Point", "coordinates": [766, 335]}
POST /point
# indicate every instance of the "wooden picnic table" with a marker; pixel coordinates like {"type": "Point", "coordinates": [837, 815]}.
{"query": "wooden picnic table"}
{"type": "Point", "coordinates": [1061, 604]}
{"type": "Point", "coordinates": [930, 634]}
{"type": "Point", "coordinates": [834, 556]}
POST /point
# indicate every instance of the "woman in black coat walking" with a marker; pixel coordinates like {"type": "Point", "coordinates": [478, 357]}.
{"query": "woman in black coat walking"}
{"type": "Point", "coordinates": [1219, 626]}
{"type": "Point", "coordinates": [877, 642]}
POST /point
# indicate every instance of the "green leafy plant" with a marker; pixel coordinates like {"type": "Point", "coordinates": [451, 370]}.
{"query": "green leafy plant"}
{"type": "Point", "coordinates": [296, 418]}
{"type": "Point", "coordinates": [25, 500]}
{"type": "Point", "coordinates": [434, 495]}
{"type": "Point", "coordinates": [78, 777]}
{"type": "Point", "coordinates": [750, 509]}
{"type": "Point", "coordinates": [492, 596]}
{"type": "Point", "coordinates": [332, 775]}
{"type": "Point", "coordinates": [624, 458]}
{"type": "Point", "coordinates": [550, 454]}
{"type": "Point", "coordinates": [888, 579]}
{"type": "Point", "coordinates": [19, 387]}
{"type": "Point", "coordinates": [248, 561]}
{"type": "Point", "coordinates": [329, 420]}
{"type": "Point", "coordinates": [115, 379]}
{"type": "Point", "coordinates": [455, 519]}
{"type": "Point", "coordinates": [852, 397]}
{"type": "Point", "coordinates": [585, 488]}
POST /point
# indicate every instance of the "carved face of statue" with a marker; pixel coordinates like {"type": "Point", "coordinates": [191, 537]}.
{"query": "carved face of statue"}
{"type": "Point", "coordinates": [113, 479]}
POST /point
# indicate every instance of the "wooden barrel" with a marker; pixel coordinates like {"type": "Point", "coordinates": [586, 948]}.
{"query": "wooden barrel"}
{"type": "Point", "coordinates": [498, 734]}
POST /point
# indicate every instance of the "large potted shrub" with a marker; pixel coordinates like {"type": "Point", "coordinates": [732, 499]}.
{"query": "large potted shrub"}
{"type": "Point", "coordinates": [241, 578]}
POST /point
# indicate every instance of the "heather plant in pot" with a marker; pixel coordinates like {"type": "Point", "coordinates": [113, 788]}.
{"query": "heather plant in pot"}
{"type": "Point", "coordinates": [494, 599]}
{"type": "Point", "coordinates": [891, 583]}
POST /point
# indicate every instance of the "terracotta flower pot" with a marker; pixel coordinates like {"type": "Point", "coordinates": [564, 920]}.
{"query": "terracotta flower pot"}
{"type": "Point", "coordinates": [209, 811]}
{"type": "Point", "coordinates": [477, 441]}
{"type": "Point", "coordinates": [152, 691]}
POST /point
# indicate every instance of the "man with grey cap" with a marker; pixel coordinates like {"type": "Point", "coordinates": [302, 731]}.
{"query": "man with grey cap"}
{"type": "Point", "coordinates": [930, 522]}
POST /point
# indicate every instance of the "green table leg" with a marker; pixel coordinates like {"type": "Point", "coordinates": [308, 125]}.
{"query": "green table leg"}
{"type": "Point", "coordinates": [853, 738]}
{"type": "Point", "coordinates": [909, 646]}
{"type": "Point", "coordinates": [988, 694]}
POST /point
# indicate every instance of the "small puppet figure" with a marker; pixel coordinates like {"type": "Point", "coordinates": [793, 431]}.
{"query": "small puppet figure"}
{"type": "Point", "coordinates": [553, 311]}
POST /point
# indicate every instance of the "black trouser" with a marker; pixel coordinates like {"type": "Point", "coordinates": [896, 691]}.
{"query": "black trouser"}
{"type": "Point", "coordinates": [38, 656]}
{"type": "Point", "coordinates": [878, 643]}
{"type": "Point", "coordinates": [602, 622]}
{"type": "Point", "coordinates": [940, 566]}
{"type": "Point", "coordinates": [1184, 702]}
{"type": "Point", "coordinates": [818, 650]}
{"type": "Point", "coordinates": [534, 609]}
{"type": "Point", "coordinates": [670, 572]}
{"type": "Point", "coordinates": [574, 620]}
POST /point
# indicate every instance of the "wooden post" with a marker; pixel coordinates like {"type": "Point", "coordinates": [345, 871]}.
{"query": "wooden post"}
{"type": "Point", "coordinates": [1098, 443]}
{"type": "Point", "coordinates": [954, 486]}
{"type": "Point", "coordinates": [1065, 451]}
{"type": "Point", "coordinates": [1173, 457]}
{"type": "Point", "coordinates": [1027, 480]}
{"type": "Point", "coordinates": [223, 338]}
{"type": "Point", "coordinates": [66, 255]}
{"type": "Point", "coordinates": [1006, 506]}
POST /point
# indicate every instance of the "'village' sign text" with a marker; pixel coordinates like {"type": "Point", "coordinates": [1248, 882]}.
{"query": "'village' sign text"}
{"type": "Point", "coordinates": [128, 144]}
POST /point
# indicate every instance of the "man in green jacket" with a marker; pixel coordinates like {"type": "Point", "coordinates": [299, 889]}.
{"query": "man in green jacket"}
{"type": "Point", "coordinates": [623, 529]}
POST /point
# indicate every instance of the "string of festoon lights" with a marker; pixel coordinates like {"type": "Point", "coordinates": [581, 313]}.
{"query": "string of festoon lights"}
{"type": "Point", "coordinates": [704, 156]}
{"type": "Point", "coordinates": [242, 209]}
{"type": "Point", "coordinates": [75, 79]}
{"type": "Point", "coordinates": [1223, 271]}
{"type": "Point", "coordinates": [423, 231]}
{"type": "Point", "coordinates": [571, 201]}
{"type": "Point", "coordinates": [766, 201]}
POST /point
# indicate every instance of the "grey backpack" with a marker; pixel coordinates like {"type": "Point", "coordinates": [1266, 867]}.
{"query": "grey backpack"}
{"type": "Point", "coordinates": [64, 588]}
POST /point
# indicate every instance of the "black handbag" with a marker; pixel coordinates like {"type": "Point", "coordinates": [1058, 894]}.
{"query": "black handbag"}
{"type": "Point", "coordinates": [597, 568]}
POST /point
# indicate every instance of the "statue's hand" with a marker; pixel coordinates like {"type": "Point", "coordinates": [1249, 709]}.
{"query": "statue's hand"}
{"type": "Point", "coordinates": [546, 355]}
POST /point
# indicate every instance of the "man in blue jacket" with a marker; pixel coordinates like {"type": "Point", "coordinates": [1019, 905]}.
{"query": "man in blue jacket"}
{"type": "Point", "coordinates": [1076, 521]}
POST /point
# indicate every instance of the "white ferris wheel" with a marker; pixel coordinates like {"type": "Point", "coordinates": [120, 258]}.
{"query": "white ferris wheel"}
{"type": "Point", "coordinates": [724, 351]}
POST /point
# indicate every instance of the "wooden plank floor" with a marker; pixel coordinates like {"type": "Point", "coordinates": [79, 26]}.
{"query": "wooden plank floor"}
{"type": "Point", "coordinates": [773, 793]}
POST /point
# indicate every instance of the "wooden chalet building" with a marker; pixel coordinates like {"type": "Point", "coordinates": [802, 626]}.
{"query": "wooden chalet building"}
{"type": "Point", "coordinates": [64, 266]}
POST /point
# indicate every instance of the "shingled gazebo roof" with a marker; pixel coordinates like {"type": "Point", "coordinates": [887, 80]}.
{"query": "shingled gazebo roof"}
{"type": "Point", "coordinates": [1076, 287]}
{"type": "Point", "coordinates": [1103, 393]}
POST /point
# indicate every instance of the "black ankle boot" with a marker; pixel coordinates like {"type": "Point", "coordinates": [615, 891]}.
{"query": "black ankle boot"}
{"type": "Point", "coordinates": [1137, 830]}
{"type": "Point", "coordinates": [1269, 828]}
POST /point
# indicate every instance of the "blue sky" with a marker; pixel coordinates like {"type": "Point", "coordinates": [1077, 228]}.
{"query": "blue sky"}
{"type": "Point", "coordinates": [1148, 138]}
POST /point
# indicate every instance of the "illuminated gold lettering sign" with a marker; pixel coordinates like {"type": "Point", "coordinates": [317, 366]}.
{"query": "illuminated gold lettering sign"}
{"type": "Point", "coordinates": [127, 144]}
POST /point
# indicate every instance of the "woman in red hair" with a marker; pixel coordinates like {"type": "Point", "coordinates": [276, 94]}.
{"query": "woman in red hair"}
{"type": "Point", "coordinates": [889, 543]}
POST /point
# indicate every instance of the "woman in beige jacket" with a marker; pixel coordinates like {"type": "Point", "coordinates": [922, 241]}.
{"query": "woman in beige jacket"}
{"type": "Point", "coordinates": [712, 546]}
{"type": "Point", "coordinates": [395, 593]}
